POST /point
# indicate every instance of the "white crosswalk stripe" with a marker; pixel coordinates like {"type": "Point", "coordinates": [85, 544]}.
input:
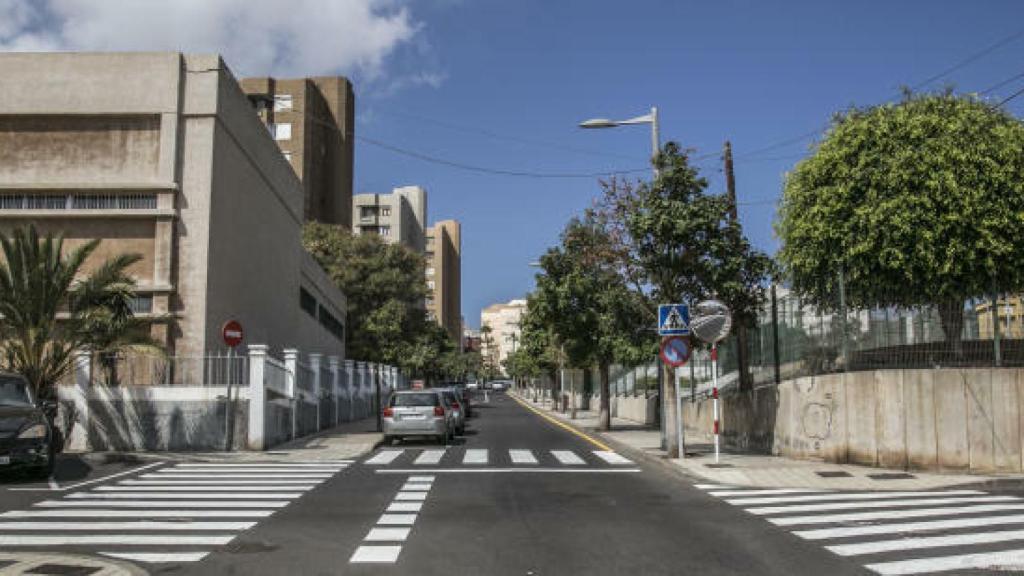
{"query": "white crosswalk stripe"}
{"type": "Point", "coordinates": [182, 512]}
{"type": "Point", "coordinates": [567, 457]}
{"type": "Point", "coordinates": [909, 532]}
{"type": "Point", "coordinates": [475, 456]}
{"type": "Point", "coordinates": [524, 459]}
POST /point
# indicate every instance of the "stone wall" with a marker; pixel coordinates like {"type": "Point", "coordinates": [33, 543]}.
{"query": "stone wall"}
{"type": "Point", "coordinates": [946, 419]}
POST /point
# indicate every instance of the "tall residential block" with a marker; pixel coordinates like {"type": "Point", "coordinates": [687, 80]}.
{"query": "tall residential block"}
{"type": "Point", "coordinates": [444, 276]}
{"type": "Point", "coordinates": [313, 122]}
{"type": "Point", "coordinates": [160, 154]}
{"type": "Point", "coordinates": [503, 319]}
{"type": "Point", "coordinates": [399, 217]}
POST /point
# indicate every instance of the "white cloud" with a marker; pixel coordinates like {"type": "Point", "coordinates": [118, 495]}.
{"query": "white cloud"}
{"type": "Point", "coordinates": [256, 37]}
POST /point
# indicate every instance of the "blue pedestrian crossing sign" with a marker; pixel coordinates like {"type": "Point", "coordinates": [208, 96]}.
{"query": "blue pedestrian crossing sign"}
{"type": "Point", "coordinates": [673, 320]}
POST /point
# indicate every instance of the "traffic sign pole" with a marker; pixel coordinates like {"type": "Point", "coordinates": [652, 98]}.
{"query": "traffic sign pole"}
{"type": "Point", "coordinates": [679, 416]}
{"type": "Point", "coordinates": [714, 392]}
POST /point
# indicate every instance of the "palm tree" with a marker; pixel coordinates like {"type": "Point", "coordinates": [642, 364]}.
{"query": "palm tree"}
{"type": "Point", "coordinates": [50, 308]}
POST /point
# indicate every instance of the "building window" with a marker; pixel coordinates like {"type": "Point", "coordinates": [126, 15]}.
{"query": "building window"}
{"type": "Point", "coordinates": [78, 202]}
{"type": "Point", "coordinates": [367, 212]}
{"type": "Point", "coordinates": [282, 131]}
{"type": "Point", "coordinates": [430, 284]}
{"type": "Point", "coordinates": [282, 102]}
{"type": "Point", "coordinates": [386, 211]}
{"type": "Point", "coordinates": [429, 302]}
{"type": "Point", "coordinates": [141, 304]}
{"type": "Point", "coordinates": [385, 230]}
{"type": "Point", "coordinates": [430, 271]}
{"type": "Point", "coordinates": [332, 324]}
{"type": "Point", "coordinates": [307, 302]}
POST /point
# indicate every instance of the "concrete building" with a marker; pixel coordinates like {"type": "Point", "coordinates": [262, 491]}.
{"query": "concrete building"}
{"type": "Point", "coordinates": [399, 217]}
{"type": "Point", "coordinates": [313, 122]}
{"type": "Point", "coordinates": [503, 320]}
{"type": "Point", "coordinates": [470, 340]}
{"type": "Point", "coordinates": [444, 276]}
{"type": "Point", "coordinates": [161, 154]}
{"type": "Point", "coordinates": [1009, 310]}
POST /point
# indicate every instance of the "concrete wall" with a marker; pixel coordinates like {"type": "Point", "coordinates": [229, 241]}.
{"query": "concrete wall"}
{"type": "Point", "coordinates": [949, 419]}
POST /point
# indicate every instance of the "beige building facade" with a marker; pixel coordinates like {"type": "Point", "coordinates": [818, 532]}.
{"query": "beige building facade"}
{"type": "Point", "coordinates": [313, 122]}
{"type": "Point", "coordinates": [444, 276]}
{"type": "Point", "coordinates": [161, 154]}
{"type": "Point", "coordinates": [503, 320]}
{"type": "Point", "coordinates": [399, 217]}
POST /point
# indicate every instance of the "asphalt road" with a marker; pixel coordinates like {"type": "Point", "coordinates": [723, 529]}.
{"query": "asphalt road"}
{"type": "Point", "coordinates": [517, 495]}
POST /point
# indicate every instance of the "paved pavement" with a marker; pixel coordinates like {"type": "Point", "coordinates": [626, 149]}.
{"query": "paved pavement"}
{"type": "Point", "coordinates": [772, 471]}
{"type": "Point", "coordinates": [520, 493]}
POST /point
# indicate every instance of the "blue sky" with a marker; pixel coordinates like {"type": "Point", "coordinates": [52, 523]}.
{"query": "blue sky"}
{"type": "Point", "coordinates": [502, 84]}
{"type": "Point", "coordinates": [755, 73]}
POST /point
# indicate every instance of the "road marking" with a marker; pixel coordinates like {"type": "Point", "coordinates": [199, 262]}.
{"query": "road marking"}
{"type": "Point", "coordinates": [475, 456]}
{"type": "Point", "coordinates": [174, 488]}
{"type": "Point", "coordinates": [387, 535]}
{"type": "Point", "coordinates": [880, 546]}
{"type": "Point", "coordinates": [130, 539]}
{"type": "Point", "coordinates": [878, 504]}
{"type": "Point", "coordinates": [338, 465]}
{"type": "Point", "coordinates": [513, 471]}
{"type": "Point", "coordinates": [563, 425]}
{"type": "Point", "coordinates": [397, 519]}
{"type": "Point", "coordinates": [567, 457]}
{"type": "Point", "coordinates": [421, 478]}
{"type": "Point", "coordinates": [893, 514]}
{"type": "Point", "coordinates": [429, 457]}
{"type": "Point", "coordinates": [52, 482]}
{"type": "Point", "coordinates": [215, 482]}
{"type": "Point", "coordinates": [365, 554]}
{"type": "Point", "coordinates": [522, 457]}
{"type": "Point", "coordinates": [157, 556]}
{"type": "Point", "coordinates": [137, 514]}
{"type": "Point", "coordinates": [224, 471]}
{"type": "Point", "coordinates": [158, 504]}
{"type": "Point", "coordinates": [847, 496]}
{"type": "Point", "coordinates": [171, 495]}
{"type": "Point", "coordinates": [93, 481]}
{"type": "Point", "coordinates": [715, 486]}
{"type": "Point", "coordinates": [411, 496]}
{"type": "Point", "coordinates": [847, 532]}
{"type": "Point", "coordinates": [726, 493]}
{"type": "Point", "coordinates": [612, 457]}
{"type": "Point", "coordinates": [415, 487]}
{"type": "Point", "coordinates": [1005, 560]}
{"type": "Point", "coordinates": [404, 507]}
{"type": "Point", "coordinates": [384, 457]}
{"type": "Point", "coordinates": [140, 525]}
{"type": "Point", "coordinates": [238, 476]}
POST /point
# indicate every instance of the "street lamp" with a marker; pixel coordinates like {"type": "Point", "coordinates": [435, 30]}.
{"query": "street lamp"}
{"type": "Point", "coordinates": [651, 118]}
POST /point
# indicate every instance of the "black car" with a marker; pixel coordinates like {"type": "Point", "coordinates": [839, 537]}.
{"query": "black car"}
{"type": "Point", "coordinates": [27, 439]}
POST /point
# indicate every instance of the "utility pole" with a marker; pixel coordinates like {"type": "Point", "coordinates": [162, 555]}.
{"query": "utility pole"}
{"type": "Point", "coordinates": [742, 353]}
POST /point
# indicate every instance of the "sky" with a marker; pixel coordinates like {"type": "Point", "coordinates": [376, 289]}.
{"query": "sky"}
{"type": "Point", "coordinates": [451, 91]}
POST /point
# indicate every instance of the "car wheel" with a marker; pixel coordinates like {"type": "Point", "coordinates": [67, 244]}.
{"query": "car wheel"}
{"type": "Point", "coordinates": [442, 439]}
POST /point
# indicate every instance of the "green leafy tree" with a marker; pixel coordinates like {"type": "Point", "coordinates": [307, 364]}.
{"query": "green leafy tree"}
{"type": "Point", "coordinates": [914, 203]}
{"type": "Point", "coordinates": [538, 345]}
{"type": "Point", "coordinates": [589, 305]}
{"type": "Point", "coordinates": [675, 242]}
{"type": "Point", "coordinates": [491, 367]}
{"type": "Point", "coordinates": [38, 280]}
{"type": "Point", "coordinates": [460, 365]}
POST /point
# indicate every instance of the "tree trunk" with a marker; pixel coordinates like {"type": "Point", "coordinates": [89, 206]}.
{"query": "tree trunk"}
{"type": "Point", "coordinates": [588, 389]}
{"type": "Point", "coordinates": [951, 314]}
{"type": "Point", "coordinates": [669, 415]}
{"type": "Point", "coordinates": [743, 359]}
{"type": "Point", "coordinates": [604, 418]}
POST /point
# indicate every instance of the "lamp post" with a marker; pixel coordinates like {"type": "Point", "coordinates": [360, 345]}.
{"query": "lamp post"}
{"type": "Point", "coordinates": [650, 118]}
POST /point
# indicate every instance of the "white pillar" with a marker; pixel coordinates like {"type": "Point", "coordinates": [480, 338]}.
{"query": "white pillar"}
{"type": "Point", "coordinates": [257, 396]}
{"type": "Point", "coordinates": [314, 365]}
{"type": "Point", "coordinates": [350, 382]}
{"type": "Point", "coordinates": [79, 437]}
{"type": "Point", "coordinates": [291, 364]}
{"type": "Point", "coordinates": [332, 365]}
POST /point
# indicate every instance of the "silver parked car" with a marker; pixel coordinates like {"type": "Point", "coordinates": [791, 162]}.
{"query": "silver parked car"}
{"type": "Point", "coordinates": [454, 399]}
{"type": "Point", "coordinates": [418, 413]}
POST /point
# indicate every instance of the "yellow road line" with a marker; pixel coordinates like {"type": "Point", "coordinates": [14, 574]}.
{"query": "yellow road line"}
{"type": "Point", "coordinates": [562, 425]}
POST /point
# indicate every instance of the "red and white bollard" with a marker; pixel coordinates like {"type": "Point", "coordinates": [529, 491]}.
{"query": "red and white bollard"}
{"type": "Point", "coordinates": [714, 392]}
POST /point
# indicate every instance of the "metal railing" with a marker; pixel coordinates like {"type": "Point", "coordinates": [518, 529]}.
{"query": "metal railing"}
{"type": "Point", "coordinates": [153, 370]}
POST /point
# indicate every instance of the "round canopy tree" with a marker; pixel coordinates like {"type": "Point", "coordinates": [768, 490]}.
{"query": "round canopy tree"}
{"type": "Point", "coordinates": [915, 203]}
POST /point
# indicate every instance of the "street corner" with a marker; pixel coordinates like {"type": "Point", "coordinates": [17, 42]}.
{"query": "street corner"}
{"type": "Point", "coordinates": [16, 563]}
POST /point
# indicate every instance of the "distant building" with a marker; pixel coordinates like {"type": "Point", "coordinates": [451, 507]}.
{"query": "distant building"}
{"type": "Point", "coordinates": [399, 217]}
{"type": "Point", "coordinates": [444, 276]}
{"type": "Point", "coordinates": [503, 320]}
{"type": "Point", "coordinates": [160, 154]}
{"type": "Point", "coordinates": [1009, 310]}
{"type": "Point", "coordinates": [470, 340]}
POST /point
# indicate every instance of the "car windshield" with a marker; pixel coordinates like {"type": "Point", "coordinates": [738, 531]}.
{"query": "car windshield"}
{"type": "Point", "coordinates": [424, 399]}
{"type": "Point", "coordinates": [13, 392]}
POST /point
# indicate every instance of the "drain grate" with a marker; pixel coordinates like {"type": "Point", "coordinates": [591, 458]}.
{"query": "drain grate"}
{"type": "Point", "coordinates": [892, 476]}
{"type": "Point", "coordinates": [834, 474]}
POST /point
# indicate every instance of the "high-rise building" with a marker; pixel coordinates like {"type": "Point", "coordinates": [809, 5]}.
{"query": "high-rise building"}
{"type": "Point", "coordinates": [160, 154]}
{"type": "Point", "coordinates": [444, 276]}
{"type": "Point", "coordinates": [399, 217]}
{"type": "Point", "coordinates": [503, 320]}
{"type": "Point", "coordinates": [313, 122]}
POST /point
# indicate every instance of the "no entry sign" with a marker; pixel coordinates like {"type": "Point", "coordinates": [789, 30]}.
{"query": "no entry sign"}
{"type": "Point", "coordinates": [232, 333]}
{"type": "Point", "coordinates": [675, 351]}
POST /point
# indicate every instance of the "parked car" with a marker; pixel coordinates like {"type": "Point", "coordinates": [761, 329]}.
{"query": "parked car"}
{"type": "Point", "coordinates": [467, 397]}
{"type": "Point", "coordinates": [453, 398]}
{"type": "Point", "coordinates": [418, 413]}
{"type": "Point", "coordinates": [27, 437]}
{"type": "Point", "coordinates": [498, 385]}
{"type": "Point", "coordinates": [473, 385]}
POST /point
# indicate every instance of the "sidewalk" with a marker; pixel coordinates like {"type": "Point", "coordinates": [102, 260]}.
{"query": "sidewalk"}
{"type": "Point", "coordinates": [765, 471]}
{"type": "Point", "coordinates": [343, 442]}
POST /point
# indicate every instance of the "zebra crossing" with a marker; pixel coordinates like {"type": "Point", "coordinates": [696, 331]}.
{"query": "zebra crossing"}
{"type": "Point", "coordinates": [482, 457]}
{"type": "Point", "coordinates": [178, 513]}
{"type": "Point", "coordinates": [895, 533]}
